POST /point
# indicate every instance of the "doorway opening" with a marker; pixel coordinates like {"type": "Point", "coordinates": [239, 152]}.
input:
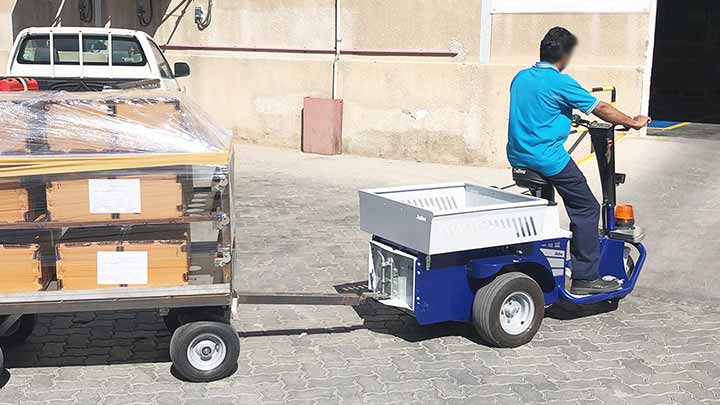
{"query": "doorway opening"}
{"type": "Point", "coordinates": [685, 83]}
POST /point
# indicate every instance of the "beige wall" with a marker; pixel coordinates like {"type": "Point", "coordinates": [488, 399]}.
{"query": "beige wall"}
{"type": "Point", "coordinates": [605, 39]}
{"type": "Point", "coordinates": [421, 108]}
{"type": "Point", "coordinates": [423, 25]}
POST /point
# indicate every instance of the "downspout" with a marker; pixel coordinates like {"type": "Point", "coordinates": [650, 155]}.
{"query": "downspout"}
{"type": "Point", "coordinates": [97, 8]}
{"type": "Point", "coordinates": [338, 40]}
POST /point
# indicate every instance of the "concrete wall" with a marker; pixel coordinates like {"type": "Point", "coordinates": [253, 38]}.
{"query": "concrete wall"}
{"type": "Point", "coordinates": [409, 107]}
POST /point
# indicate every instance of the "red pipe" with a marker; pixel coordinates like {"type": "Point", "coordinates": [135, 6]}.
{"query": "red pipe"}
{"type": "Point", "coordinates": [437, 54]}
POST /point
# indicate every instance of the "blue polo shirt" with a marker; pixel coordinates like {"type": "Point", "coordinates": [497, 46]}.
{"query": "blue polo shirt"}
{"type": "Point", "coordinates": [541, 103]}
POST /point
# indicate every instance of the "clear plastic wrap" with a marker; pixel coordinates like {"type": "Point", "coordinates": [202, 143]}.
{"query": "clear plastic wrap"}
{"type": "Point", "coordinates": [112, 189]}
{"type": "Point", "coordinates": [147, 121]}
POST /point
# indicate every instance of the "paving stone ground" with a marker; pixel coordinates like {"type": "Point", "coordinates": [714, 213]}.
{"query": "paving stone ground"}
{"type": "Point", "coordinates": [297, 230]}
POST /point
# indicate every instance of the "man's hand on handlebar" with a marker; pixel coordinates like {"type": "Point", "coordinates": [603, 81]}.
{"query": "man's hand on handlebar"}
{"type": "Point", "coordinates": [640, 121]}
{"type": "Point", "coordinates": [610, 114]}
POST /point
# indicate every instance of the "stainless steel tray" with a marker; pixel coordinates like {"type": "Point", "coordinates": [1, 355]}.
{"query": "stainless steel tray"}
{"type": "Point", "coordinates": [442, 218]}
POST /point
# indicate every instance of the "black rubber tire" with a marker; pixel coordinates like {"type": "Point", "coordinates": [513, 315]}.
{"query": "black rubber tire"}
{"type": "Point", "coordinates": [489, 299]}
{"type": "Point", "coordinates": [183, 337]}
{"type": "Point", "coordinates": [21, 331]}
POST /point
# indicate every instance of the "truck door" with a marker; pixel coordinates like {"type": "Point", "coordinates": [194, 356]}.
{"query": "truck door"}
{"type": "Point", "coordinates": [166, 74]}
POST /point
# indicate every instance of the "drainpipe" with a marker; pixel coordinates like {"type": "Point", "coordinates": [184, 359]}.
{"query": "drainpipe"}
{"type": "Point", "coordinates": [338, 40]}
{"type": "Point", "coordinates": [97, 8]}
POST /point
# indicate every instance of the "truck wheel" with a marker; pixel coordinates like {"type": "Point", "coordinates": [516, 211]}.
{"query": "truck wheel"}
{"type": "Point", "coordinates": [508, 311]}
{"type": "Point", "coordinates": [204, 351]}
{"type": "Point", "coordinates": [19, 332]}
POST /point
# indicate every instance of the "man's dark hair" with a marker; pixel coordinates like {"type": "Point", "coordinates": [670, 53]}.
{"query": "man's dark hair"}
{"type": "Point", "coordinates": [557, 43]}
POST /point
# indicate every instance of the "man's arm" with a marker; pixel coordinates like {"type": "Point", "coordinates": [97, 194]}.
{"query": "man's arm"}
{"type": "Point", "coordinates": [608, 113]}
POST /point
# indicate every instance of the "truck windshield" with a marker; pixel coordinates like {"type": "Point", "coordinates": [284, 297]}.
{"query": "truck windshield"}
{"type": "Point", "coordinates": [126, 51]}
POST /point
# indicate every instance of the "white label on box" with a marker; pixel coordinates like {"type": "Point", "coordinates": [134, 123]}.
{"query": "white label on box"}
{"type": "Point", "coordinates": [114, 196]}
{"type": "Point", "coordinates": [122, 268]}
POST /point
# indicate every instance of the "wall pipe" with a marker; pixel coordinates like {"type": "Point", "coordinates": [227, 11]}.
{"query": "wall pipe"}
{"type": "Point", "coordinates": [338, 39]}
{"type": "Point", "coordinates": [357, 52]}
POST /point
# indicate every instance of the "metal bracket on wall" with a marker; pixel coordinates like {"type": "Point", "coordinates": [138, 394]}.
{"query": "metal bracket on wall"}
{"type": "Point", "coordinates": [87, 10]}
{"type": "Point", "coordinates": [145, 14]}
{"type": "Point", "coordinates": [203, 19]}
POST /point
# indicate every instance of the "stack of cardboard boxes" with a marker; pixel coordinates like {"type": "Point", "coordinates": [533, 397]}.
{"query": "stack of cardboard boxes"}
{"type": "Point", "coordinates": [76, 221]}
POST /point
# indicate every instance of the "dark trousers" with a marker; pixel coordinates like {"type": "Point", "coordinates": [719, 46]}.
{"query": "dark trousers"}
{"type": "Point", "coordinates": [584, 212]}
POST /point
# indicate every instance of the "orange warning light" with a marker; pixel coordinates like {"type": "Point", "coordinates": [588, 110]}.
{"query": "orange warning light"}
{"type": "Point", "coordinates": [624, 215]}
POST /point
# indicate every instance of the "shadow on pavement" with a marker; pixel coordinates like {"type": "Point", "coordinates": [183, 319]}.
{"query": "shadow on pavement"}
{"type": "Point", "coordinates": [383, 319]}
{"type": "Point", "coordinates": [4, 378]}
{"type": "Point", "coordinates": [566, 311]}
{"type": "Point", "coordinates": [92, 338]}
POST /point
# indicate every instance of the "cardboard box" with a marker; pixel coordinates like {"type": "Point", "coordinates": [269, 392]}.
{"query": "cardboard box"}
{"type": "Point", "coordinates": [104, 199]}
{"type": "Point", "coordinates": [150, 114]}
{"type": "Point", "coordinates": [112, 257]}
{"type": "Point", "coordinates": [19, 124]}
{"type": "Point", "coordinates": [21, 270]}
{"type": "Point", "coordinates": [98, 121]}
{"type": "Point", "coordinates": [14, 202]}
{"type": "Point", "coordinates": [64, 120]}
{"type": "Point", "coordinates": [91, 265]}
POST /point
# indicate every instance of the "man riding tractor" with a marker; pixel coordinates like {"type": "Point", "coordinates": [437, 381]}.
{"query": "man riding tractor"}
{"type": "Point", "coordinates": [542, 99]}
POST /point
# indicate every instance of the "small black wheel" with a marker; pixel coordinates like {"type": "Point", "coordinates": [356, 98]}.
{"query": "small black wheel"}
{"type": "Point", "coordinates": [204, 351]}
{"type": "Point", "coordinates": [508, 311]}
{"type": "Point", "coordinates": [20, 331]}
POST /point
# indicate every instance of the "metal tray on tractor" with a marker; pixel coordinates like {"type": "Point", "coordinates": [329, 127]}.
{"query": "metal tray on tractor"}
{"type": "Point", "coordinates": [453, 217]}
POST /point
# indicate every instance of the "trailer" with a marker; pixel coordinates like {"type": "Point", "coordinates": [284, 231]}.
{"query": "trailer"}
{"type": "Point", "coordinates": [102, 219]}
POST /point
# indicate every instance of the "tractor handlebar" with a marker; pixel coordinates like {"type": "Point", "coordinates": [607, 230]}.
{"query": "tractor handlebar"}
{"type": "Point", "coordinates": [577, 121]}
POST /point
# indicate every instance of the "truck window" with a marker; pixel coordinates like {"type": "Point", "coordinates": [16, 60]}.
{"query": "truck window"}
{"type": "Point", "coordinates": [126, 51]}
{"type": "Point", "coordinates": [95, 49]}
{"type": "Point", "coordinates": [163, 65]}
{"type": "Point", "coordinates": [35, 49]}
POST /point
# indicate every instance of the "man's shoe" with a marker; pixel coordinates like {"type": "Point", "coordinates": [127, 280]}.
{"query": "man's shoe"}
{"type": "Point", "coordinates": [597, 286]}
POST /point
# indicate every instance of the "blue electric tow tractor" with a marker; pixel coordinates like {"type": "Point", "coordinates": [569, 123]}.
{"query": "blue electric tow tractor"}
{"type": "Point", "coordinates": [490, 257]}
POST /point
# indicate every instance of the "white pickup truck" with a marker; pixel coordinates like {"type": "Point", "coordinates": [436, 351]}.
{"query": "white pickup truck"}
{"type": "Point", "coordinates": [91, 59]}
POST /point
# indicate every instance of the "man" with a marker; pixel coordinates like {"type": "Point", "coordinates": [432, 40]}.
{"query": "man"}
{"type": "Point", "coordinates": [542, 99]}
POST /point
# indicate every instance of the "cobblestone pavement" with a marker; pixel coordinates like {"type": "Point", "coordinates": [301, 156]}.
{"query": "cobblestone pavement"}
{"type": "Point", "coordinates": [298, 231]}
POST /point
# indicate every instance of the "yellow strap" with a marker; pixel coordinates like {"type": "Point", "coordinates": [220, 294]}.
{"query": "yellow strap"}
{"type": "Point", "coordinates": [12, 166]}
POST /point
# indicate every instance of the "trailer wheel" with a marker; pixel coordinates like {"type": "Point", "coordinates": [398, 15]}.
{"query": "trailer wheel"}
{"type": "Point", "coordinates": [204, 351]}
{"type": "Point", "coordinates": [19, 332]}
{"type": "Point", "coordinates": [508, 311]}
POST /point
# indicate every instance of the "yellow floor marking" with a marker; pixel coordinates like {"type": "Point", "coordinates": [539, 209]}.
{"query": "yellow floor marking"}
{"type": "Point", "coordinates": [671, 127]}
